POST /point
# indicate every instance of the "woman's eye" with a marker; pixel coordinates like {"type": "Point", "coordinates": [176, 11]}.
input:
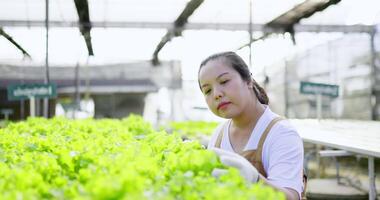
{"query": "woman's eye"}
{"type": "Point", "coordinates": [224, 82]}
{"type": "Point", "coordinates": [207, 91]}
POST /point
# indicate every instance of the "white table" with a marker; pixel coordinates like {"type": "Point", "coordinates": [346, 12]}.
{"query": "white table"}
{"type": "Point", "coordinates": [359, 137]}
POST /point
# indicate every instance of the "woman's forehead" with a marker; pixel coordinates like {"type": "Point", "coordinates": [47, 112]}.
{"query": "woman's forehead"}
{"type": "Point", "coordinates": [214, 69]}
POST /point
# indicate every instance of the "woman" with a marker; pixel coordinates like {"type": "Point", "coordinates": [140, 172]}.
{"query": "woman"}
{"type": "Point", "coordinates": [272, 147]}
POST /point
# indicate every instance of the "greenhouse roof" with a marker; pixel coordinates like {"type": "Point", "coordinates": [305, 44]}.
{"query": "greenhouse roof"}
{"type": "Point", "coordinates": [133, 29]}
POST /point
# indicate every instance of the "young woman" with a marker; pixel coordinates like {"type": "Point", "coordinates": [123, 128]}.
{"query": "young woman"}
{"type": "Point", "coordinates": [272, 148]}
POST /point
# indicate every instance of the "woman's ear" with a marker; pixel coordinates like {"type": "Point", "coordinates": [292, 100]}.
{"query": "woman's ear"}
{"type": "Point", "coordinates": [250, 85]}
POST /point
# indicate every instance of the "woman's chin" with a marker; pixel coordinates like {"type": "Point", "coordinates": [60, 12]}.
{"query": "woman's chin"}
{"type": "Point", "coordinates": [225, 115]}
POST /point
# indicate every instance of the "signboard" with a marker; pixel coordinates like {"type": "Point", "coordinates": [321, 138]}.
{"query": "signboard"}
{"type": "Point", "coordinates": [319, 88]}
{"type": "Point", "coordinates": [25, 91]}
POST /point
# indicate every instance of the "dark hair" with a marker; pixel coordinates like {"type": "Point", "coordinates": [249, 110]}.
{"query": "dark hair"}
{"type": "Point", "coordinates": [238, 64]}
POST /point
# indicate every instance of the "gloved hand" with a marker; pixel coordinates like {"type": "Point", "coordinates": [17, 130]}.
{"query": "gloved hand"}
{"type": "Point", "coordinates": [247, 170]}
{"type": "Point", "coordinates": [204, 140]}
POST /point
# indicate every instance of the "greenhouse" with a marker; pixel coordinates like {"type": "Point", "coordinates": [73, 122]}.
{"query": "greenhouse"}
{"type": "Point", "coordinates": [189, 99]}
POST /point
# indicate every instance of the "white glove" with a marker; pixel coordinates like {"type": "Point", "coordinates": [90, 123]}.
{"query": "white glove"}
{"type": "Point", "coordinates": [247, 170]}
{"type": "Point", "coordinates": [204, 140]}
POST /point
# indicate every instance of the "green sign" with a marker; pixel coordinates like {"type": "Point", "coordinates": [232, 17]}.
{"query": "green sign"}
{"type": "Point", "coordinates": [25, 91]}
{"type": "Point", "coordinates": [319, 88]}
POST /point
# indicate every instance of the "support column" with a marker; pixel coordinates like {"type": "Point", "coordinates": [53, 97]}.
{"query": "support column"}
{"type": "Point", "coordinates": [47, 78]}
{"type": "Point", "coordinates": [371, 174]}
{"type": "Point", "coordinates": [375, 90]}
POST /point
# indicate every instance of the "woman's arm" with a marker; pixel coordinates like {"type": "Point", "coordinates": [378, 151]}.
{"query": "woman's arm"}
{"type": "Point", "coordinates": [283, 160]}
{"type": "Point", "coordinates": [290, 194]}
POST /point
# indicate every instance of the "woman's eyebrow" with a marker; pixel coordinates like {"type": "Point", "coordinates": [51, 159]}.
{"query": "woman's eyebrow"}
{"type": "Point", "coordinates": [204, 85]}
{"type": "Point", "coordinates": [220, 75]}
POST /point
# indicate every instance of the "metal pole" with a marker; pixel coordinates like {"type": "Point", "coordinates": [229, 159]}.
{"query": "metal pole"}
{"type": "Point", "coordinates": [32, 106]}
{"type": "Point", "coordinates": [319, 147]}
{"type": "Point", "coordinates": [77, 92]}
{"type": "Point", "coordinates": [371, 173]}
{"type": "Point", "coordinates": [22, 109]}
{"type": "Point", "coordinates": [374, 92]}
{"type": "Point", "coordinates": [87, 81]}
{"type": "Point", "coordinates": [46, 100]}
{"type": "Point", "coordinates": [319, 106]}
{"type": "Point", "coordinates": [286, 90]}
{"type": "Point", "coordinates": [22, 102]}
{"type": "Point", "coordinates": [250, 33]}
{"type": "Point", "coordinates": [37, 106]}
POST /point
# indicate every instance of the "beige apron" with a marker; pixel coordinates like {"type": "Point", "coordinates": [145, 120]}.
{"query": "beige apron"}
{"type": "Point", "coordinates": [254, 156]}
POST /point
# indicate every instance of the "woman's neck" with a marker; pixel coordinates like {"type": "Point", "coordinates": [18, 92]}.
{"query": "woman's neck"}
{"type": "Point", "coordinates": [249, 117]}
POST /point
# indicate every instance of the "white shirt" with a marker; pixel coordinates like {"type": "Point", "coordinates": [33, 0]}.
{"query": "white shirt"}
{"type": "Point", "coordinates": [282, 154]}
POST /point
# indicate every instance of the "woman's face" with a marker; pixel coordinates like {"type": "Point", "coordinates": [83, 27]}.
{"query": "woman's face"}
{"type": "Point", "coordinates": [226, 93]}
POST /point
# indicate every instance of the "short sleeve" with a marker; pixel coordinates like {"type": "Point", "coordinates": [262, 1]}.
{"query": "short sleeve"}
{"type": "Point", "coordinates": [285, 159]}
{"type": "Point", "coordinates": [214, 136]}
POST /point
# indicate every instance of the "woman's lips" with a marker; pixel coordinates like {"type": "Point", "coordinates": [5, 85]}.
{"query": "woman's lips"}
{"type": "Point", "coordinates": [223, 105]}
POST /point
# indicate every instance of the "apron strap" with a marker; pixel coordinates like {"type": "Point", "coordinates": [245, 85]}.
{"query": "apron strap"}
{"type": "Point", "coordinates": [220, 136]}
{"type": "Point", "coordinates": [264, 136]}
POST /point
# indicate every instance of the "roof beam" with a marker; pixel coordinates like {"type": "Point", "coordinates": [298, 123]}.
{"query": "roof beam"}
{"type": "Point", "coordinates": [10, 39]}
{"type": "Point", "coordinates": [177, 27]}
{"type": "Point", "coordinates": [84, 23]}
{"type": "Point", "coordinates": [286, 21]}
{"type": "Point", "coordinates": [130, 24]}
{"type": "Point", "coordinates": [195, 26]}
{"type": "Point", "coordinates": [300, 11]}
{"type": "Point", "coordinates": [303, 10]}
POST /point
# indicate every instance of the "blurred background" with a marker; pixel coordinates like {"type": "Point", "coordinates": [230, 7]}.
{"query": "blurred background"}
{"type": "Point", "coordinates": [110, 58]}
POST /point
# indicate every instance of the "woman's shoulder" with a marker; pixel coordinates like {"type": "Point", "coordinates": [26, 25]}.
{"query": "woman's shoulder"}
{"type": "Point", "coordinates": [284, 137]}
{"type": "Point", "coordinates": [216, 133]}
{"type": "Point", "coordinates": [285, 125]}
{"type": "Point", "coordinates": [284, 128]}
{"type": "Point", "coordinates": [282, 125]}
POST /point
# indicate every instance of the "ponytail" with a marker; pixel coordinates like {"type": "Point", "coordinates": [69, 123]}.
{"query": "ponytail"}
{"type": "Point", "coordinates": [260, 93]}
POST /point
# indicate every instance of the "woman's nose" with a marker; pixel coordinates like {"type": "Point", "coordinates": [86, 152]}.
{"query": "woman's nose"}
{"type": "Point", "coordinates": [218, 93]}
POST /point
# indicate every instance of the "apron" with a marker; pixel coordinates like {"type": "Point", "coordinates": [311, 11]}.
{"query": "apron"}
{"type": "Point", "coordinates": [255, 156]}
